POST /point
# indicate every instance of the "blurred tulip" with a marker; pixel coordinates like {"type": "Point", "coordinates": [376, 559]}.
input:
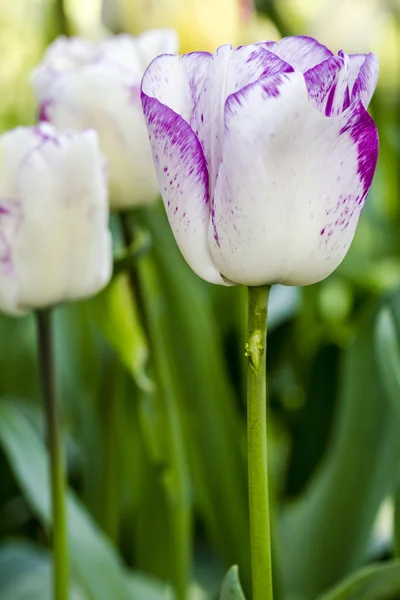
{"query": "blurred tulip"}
{"type": "Point", "coordinates": [82, 84]}
{"type": "Point", "coordinates": [264, 156]}
{"type": "Point", "coordinates": [358, 25]}
{"type": "Point", "coordinates": [55, 244]}
{"type": "Point", "coordinates": [201, 24]}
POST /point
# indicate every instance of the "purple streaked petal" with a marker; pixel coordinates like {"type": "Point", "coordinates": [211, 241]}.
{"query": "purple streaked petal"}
{"type": "Point", "coordinates": [176, 81]}
{"type": "Point", "coordinates": [229, 71]}
{"type": "Point", "coordinates": [301, 52]}
{"type": "Point", "coordinates": [249, 63]}
{"type": "Point", "coordinates": [291, 185]}
{"type": "Point", "coordinates": [366, 79]}
{"type": "Point", "coordinates": [320, 80]}
{"type": "Point", "coordinates": [183, 179]}
{"type": "Point", "coordinates": [338, 98]}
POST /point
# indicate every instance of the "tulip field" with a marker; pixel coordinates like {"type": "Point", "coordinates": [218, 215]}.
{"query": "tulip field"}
{"type": "Point", "coordinates": [199, 300]}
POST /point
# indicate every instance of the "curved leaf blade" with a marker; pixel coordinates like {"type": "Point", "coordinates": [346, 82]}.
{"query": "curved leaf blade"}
{"type": "Point", "coordinates": [380, 582]}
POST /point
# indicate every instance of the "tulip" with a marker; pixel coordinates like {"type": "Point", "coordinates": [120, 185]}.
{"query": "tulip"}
{"type": "Point", "coordinates": [200, 24]}
{"type": "Point", "coordinates": [55, 244]}
{"type": "Point", "coordinates": [82, 84]}
{"type": "Point", "coordinates": [264, 156]}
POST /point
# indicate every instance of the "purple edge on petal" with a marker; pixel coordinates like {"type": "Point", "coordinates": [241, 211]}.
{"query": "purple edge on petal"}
{"type": "Point", "coordinates": [177, 135]}
{"type": "Point", "coordinates": [364, 134]}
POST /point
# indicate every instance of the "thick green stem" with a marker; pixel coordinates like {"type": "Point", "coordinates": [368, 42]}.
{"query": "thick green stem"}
{"type": "Point", "coordinates": [177, 480]}
{"type": "Point", "coordinates": [260, 535]}
{"type": "Point", "coordinates": [57, 464]}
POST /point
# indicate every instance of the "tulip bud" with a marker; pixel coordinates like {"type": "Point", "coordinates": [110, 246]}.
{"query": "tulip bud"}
{"type": "Point", "coordinates": [265, 155]}
{"type": "Point", "coordinates": [200, 24]}
{"type": "Point", "coordinates": [55, 244]}
{"type": "Point", "coordinates": [81, 84]}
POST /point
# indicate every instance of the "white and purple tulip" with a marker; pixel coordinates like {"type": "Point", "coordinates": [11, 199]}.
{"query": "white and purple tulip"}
{"type": "Point", "coordinates": [264, 156]}
{"type": "Point", "coordinates": [55, 244]}
{"type": "Point", "coordinates": [81, 84]}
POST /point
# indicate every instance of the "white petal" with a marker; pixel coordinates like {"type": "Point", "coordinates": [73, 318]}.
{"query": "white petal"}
{"type": "Point", "coordinates": [365, 77]}
{"type": "Point", "coordinates": [228, 71]}
{"type": "Point", "coordinates": [291, 185]}
{"type": "Point", "coordinates": [155, 42]}
{"type": "Point", "coordinates": [63, 247]}
{"type": "Point", "coordinates": [62, 55]}
{"type": "Point", "coordinates": [101, 98]}
{"type": "Point", "coordinates": [13, 147]}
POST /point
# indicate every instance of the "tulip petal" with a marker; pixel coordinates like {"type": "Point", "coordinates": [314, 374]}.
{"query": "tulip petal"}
{"type": "Point", "coordinates": [229, 71]}
{"type": "Point", "coordinates": [9, 221]}
{"type": "Point", "coordinates": [321, 79]}
{"type": "Point", "coordinates": [154, 42]}
{"type": "Point", "coordinates": [62, 190]}
{"type": "Point", "coordinates": [72, 104]}
{"type": "Point", "coordinates": [301, 52]}
{"type": "Point", "coordinates": [13, 147]}
{"type": "Point", "coordinates": [183, 180]}
{"type": "Point", "coordinates": [291, 185]}
{"type": "Point", "coordinates": [339, 96]}
{"type": "Point", "coordinates": [365, 76]}
{"type": "Point", "coordinates": [176, 81]}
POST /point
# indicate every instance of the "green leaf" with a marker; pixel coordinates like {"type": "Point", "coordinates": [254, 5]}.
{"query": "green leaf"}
{"type": "Point", "coordinates": [329, 527]}
{"type": "Point", "coordinates": [94, 563]}
{"type": "Point", "coordinates": [18, 557]}
{"type": "Point", "coordinates": [231, 588]}
{"type": "Point", "coordinates": [388, 356]}
{"type": "Point", "coordinates": [380, 582]}
{"type": "Point", "coordinates": [116, 313]}
{"type": "Point", "coordinates": [25, 573]}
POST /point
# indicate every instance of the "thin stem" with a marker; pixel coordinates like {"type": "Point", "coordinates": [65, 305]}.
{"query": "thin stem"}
{"type": "Point", "coordinates": [260, 535]}
{"type": "Point", "coordinates": [109, 412]}
{"type": "Point", "coordinates": [57, 467]}
{"type": "Point", "coordinates": [178, 487]}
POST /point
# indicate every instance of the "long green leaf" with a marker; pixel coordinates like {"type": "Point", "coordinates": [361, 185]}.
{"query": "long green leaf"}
{"type": "Point", "coordinates": [388, 356]}
{"type": "Point", "coordinates": [378, 582]}
{"type": "Point", "coordinates": [326, 532]}
{"type": "Point", "coordinates": [95, 565]}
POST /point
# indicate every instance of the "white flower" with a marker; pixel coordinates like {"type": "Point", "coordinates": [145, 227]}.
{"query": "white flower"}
{"type": "Point", "coordinates": [55, 244]}
{"type": "Point", "coordinates": [82, 84]}
{"type": "Point", "coordinates": [265, 155]}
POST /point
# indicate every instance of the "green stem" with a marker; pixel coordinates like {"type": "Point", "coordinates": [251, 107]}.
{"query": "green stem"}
{"type": "Point", "coordinates": [61, 18]}
{"type": "Point", "coordinates": [57, 467]}
{"type": "Point", "coordinates": [109, 430]}
{"type": "Point", "coordinates": [177, 479]}
{"type": "Point", "coordinates": [260, 535]}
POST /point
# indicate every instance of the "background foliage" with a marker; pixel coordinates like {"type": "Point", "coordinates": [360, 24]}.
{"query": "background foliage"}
{"type": "Point", "coordinates": [153, 390]}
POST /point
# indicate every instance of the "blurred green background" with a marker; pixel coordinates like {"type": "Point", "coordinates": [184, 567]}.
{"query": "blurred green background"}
{"type": "Point", "coordinates": [153, 388]}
